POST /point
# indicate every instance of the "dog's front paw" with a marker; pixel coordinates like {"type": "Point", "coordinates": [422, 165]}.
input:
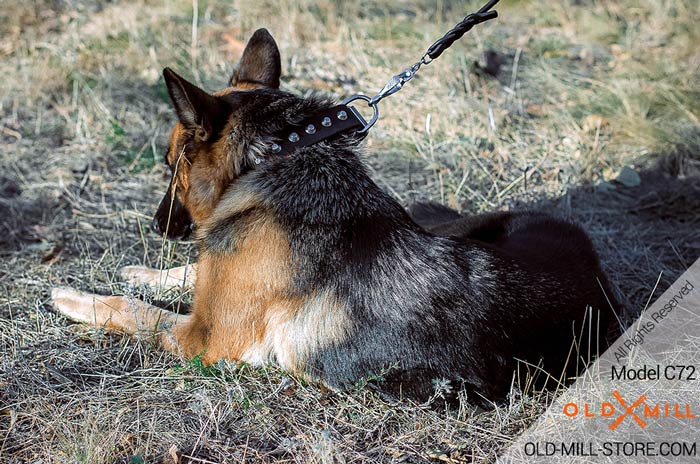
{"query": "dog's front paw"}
{"type": "Point", "coordinates": [74, 304]}
{"type": "Point", "coordinates": [177, 277]}
{"type": "Point", "coordinates": [141, 275]}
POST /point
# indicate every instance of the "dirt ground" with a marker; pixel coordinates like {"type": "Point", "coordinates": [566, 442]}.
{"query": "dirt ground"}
{"type": "Point", "coordinates": [592, 115]}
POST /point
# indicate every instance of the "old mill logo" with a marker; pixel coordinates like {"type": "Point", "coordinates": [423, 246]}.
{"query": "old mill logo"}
{"type": "Point", "coordinates": [639, 410]}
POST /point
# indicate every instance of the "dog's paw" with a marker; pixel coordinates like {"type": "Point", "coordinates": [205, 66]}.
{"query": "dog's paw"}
{"type": "Point", "coordinates": [141, 275]}
{"type": "Point", "coordinates": [177, 277]}
{"type": "Point", "coordinates": [74, 304]}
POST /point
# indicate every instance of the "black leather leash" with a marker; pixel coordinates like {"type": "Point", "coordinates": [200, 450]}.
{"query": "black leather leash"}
{"type": "Point", "coordinates": [344, 118]}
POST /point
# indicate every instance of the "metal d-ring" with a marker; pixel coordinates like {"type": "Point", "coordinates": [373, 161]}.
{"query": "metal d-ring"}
{"type": "Point", "coordinates": [374, 107]}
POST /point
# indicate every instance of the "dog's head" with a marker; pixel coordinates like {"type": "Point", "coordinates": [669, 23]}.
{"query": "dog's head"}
{"type": "Point", "coordinates": [211, 144]}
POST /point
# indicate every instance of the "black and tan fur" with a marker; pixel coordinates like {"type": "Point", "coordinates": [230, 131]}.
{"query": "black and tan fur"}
{"type": "Point", "coordinates": [306, 262]}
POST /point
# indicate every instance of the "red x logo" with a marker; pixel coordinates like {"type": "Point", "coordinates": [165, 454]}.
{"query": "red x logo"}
{"type": "Point", "coordinates": [628, 410]}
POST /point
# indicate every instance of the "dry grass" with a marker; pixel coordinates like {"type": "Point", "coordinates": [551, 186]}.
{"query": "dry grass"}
{"type": "Point", "coordinates": [586, 87]}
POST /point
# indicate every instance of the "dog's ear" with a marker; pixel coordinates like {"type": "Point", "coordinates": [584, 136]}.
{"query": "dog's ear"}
{"type": "Point", "coordinates": [260, 63]}
{"type": "Point", "coordinates": [197, 110]}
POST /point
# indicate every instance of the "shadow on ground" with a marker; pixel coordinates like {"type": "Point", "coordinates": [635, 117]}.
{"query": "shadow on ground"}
{"type": "Point", "coordinates": [643, 233]}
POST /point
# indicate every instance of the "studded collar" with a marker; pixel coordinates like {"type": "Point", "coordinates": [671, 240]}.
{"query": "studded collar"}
{"type": "Point", "coordinates": [317, 128]}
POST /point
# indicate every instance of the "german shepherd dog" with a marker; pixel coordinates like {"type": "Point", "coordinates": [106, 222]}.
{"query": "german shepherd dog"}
{"type": "Point", "coordinates": [305, 262]}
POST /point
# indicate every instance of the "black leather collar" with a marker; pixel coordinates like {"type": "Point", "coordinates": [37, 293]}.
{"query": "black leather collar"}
{"type": "Point", "coordinates": [319, 127]}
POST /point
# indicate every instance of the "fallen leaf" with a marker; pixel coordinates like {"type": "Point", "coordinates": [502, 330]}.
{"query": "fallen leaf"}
{"type": "Point", "coordinates": [289, 391]}
{"type": "Point", "coordinates": [52, 256]}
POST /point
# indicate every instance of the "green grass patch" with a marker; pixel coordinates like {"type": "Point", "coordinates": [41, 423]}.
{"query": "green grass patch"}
{"type": "Point", "coordinates": [195, 366]}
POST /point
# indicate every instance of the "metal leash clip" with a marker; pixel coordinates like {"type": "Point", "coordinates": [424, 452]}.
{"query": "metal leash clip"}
{"type": "Point", "coordinates": [394, 85]}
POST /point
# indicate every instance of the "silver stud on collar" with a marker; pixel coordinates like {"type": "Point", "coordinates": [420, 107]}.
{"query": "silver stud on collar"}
{"type": "Point", "coordinates": [310, 129]}
{"type": "Point", "coordinates": [257, 160]}
{"type": "Point", "coordinates": [293, 137]}
{"type": "Point", "coordinates": [342, 115]}
{"type": "Point", "coordinates": [326, 122]}
{"type": "Point", "coordinates": [276, 148]}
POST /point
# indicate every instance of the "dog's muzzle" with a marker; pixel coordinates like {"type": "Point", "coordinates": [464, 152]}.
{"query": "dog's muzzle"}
{"type": "Point", "coordinates": [172, 219]}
